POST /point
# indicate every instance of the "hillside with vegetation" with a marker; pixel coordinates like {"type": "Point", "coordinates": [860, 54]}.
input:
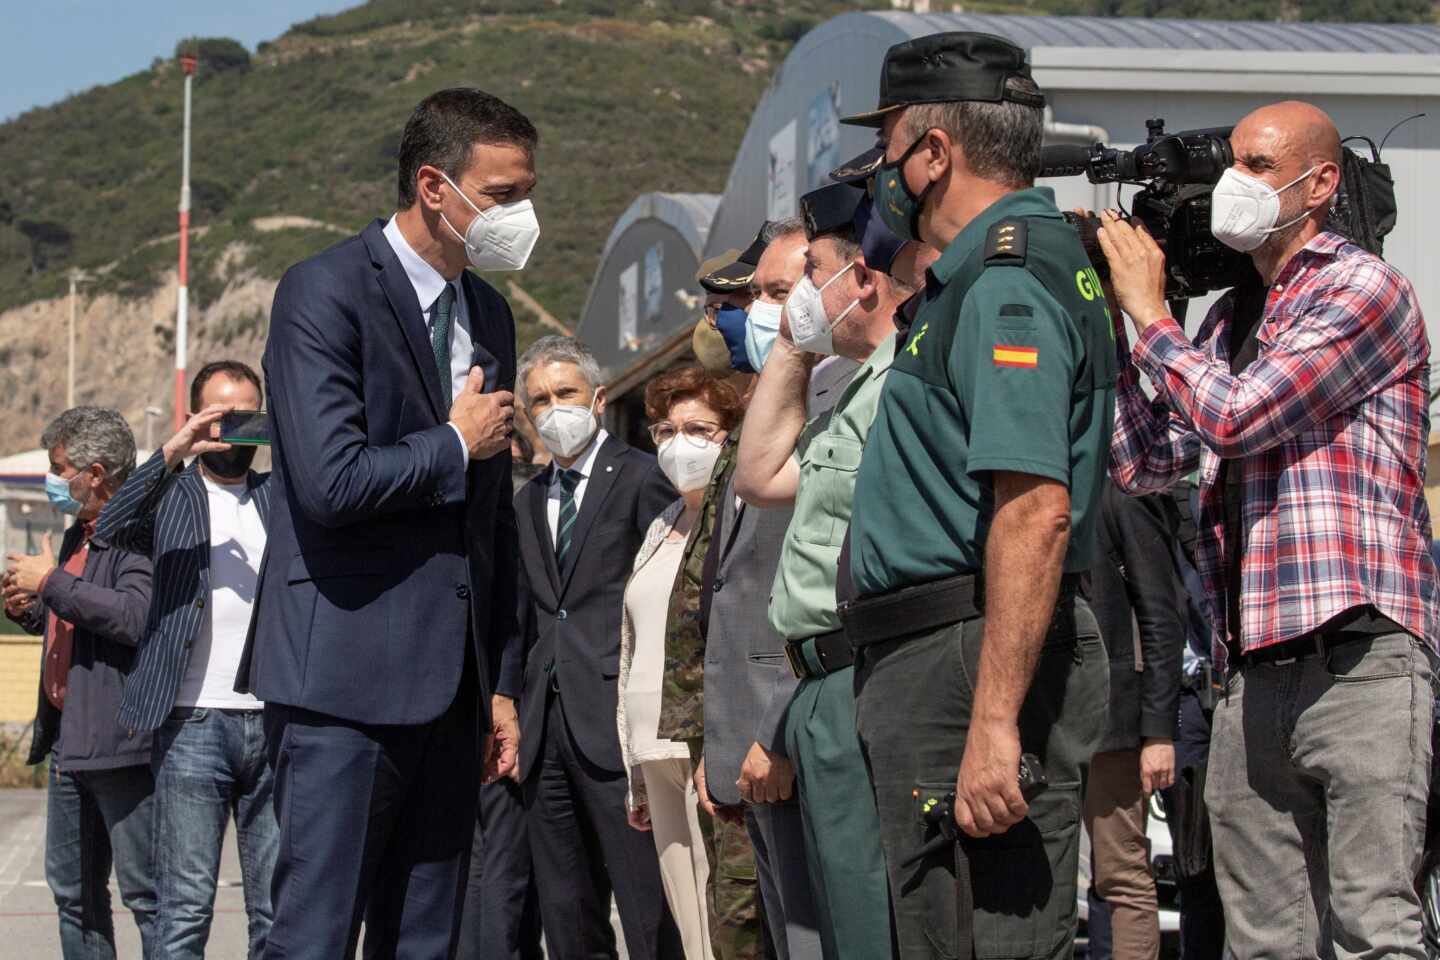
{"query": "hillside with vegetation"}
{"type": "Point", "coordinates": [295, 146]}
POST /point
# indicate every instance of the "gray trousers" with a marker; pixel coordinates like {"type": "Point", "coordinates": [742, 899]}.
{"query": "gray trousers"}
{"type": "Point", "coordinates": [778, 836]}
{"type": "Point", "coordinates": [912, 710]}
{"type": "Point", "coordinates": [1319, 771]}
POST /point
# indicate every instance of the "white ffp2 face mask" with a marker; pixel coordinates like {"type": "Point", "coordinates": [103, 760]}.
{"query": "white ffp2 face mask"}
{"type": "Point", "coordinates": [688, 463]}
{"type": "Point", "coordinates": [500, 238]}
{"type": "Point", "coordinates": [565, 429]}
{"type": "Point", "coordinates": [1243, 209]}
{"type": "Point", "coordinates": [810, 327]}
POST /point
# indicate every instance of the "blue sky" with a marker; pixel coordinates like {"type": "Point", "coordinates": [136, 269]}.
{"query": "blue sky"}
{"type": "Point", "coordinates": [52, 49]}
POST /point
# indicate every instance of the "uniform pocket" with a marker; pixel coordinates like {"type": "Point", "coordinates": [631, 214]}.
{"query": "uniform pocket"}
{"type": "Point", "coordinates": [1025, 879]}
{"type": "Point", "coordinates": [830, 464]}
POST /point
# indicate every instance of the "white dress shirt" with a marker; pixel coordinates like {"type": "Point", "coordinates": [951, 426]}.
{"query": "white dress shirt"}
{"type": "Point", "coordinates": [583, 465]}
{"type": "Point", "coordinates": [427, 283]}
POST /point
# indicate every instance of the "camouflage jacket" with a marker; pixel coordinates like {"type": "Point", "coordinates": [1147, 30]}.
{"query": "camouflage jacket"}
{"type": "Point", "coordinates": [682, 698]}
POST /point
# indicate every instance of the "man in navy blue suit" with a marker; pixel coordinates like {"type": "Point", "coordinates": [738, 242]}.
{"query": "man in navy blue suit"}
{"type": "Point", "coordinates": [385, 616]}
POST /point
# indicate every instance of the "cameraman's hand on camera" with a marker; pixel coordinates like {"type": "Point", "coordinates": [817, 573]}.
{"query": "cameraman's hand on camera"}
{"type": "Point", "coordinates": [1137, 270]}
{"type": "Point", "coordinates": [485, 420]}
{"type": "Point", "coordinates": [197, 436]}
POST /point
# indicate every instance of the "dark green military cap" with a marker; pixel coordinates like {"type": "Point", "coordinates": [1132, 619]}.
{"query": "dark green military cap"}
{"type": "Point", "coordinates": [946, 67]}
{"type": "Point", "coordinates": [828, 209]}
{"type": "Point", "coordinates": [736, 274]}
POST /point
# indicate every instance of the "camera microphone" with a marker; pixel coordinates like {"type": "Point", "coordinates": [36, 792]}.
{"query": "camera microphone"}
{"type": "Point", "coordinates": [1064, 160]}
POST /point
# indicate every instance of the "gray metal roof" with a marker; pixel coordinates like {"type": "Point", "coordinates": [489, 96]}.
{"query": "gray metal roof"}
{"type": "Point", "coordinates": [1166, 34]}
{"type": "Point", "coordinates": [689, 213]}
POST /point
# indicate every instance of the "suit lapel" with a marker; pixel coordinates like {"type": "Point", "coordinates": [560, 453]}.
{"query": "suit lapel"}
{"type": "Point", "coordinates": [194, 488]}
{"type": "Point", "coordinates": [603, 473]}
{"type": "Point", "coordinates": [260, 490]}
{"type": "Point", "coordinates": [409, 313]}
{"type": "Point", "coordinates": [539, 493]}
{"type": "Point", "coordinates": [480, 334]}
{"type": "Point", "coordinates": [734, 520]}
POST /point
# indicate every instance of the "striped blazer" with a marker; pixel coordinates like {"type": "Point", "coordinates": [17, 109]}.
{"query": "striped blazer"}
{"type": "Point", "coordinates": [165, 515]}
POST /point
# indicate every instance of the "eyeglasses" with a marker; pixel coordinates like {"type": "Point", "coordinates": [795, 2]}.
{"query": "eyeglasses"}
{"type": "Point", "coordinates": [699, 431]}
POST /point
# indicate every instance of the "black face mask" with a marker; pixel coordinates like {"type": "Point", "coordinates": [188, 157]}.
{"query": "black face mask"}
{"type": "Point", "coordinates": [230, 464]}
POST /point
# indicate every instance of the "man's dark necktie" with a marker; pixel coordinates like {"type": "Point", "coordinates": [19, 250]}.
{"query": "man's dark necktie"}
{"type": "Point", "coordinates": [565, 526]}
{"type": "Point", "coordinates": [440, 336]}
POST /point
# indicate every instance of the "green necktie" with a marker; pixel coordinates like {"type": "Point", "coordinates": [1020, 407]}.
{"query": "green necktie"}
{"type": "Point", "coordinates": [565, 525]}
{"type": "Point", "coordinates": [440, 336]}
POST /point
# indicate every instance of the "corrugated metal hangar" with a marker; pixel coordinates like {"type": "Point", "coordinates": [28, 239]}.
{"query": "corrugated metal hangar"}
{"type": "Point", "coordinates": [1103, 77]}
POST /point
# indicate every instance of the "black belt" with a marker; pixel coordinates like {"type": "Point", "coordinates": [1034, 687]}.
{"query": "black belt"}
{"type": "Point", "coordinates": [925, 607]}
{"type": "Point", "coordinates": [832, 649]}
{"type": "Point", "coordinates": [1296, 648]}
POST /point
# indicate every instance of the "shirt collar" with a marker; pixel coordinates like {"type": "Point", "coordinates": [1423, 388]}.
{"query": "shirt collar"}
{"type": "Point", "coordinates": [1322, 247]}
{"type": "Point", "coordinates": [1031, 202]}
{"type": "Point", "coordinates": [586, 463]}
{"type": "Point", "coordinates": [425, 279]}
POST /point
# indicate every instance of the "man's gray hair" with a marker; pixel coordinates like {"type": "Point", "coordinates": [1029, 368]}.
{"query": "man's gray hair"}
{"type": "Point", "coordinates": [1001, 140]}
{"type": "Point", "coordinates": [785, 227]}
{"type": "Point", "coordinates": [93, 435]}
{"type": "Point", "coordinates": [556, 349]}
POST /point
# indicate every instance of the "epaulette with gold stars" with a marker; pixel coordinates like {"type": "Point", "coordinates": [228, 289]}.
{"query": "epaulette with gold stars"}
{"type": "Point", "coordinates": [1006, 244]}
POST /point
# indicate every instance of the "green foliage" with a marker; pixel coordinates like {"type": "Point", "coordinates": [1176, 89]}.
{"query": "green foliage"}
{"type": "Point", "coordinates": [216, 54]}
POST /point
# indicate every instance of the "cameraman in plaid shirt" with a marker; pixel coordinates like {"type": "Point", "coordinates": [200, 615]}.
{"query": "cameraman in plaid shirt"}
{"type": "Point", "coordinates": [1308, 422]}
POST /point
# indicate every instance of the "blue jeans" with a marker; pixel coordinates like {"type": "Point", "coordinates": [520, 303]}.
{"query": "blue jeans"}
{"type": "Point", "coordinates": [94, 819]}
{"type": "Point", "coordinates": [210, 764]}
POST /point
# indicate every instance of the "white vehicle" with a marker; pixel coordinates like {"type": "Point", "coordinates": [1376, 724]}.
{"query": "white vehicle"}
{"type": "Point", "coordinates": [1162, 862]}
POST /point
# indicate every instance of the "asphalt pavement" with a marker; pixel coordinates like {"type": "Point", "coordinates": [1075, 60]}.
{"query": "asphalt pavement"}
{"type": "Point", "coordinates": [29, 929]}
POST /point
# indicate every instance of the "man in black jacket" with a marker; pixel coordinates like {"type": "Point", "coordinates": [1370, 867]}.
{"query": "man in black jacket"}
{"type": "Point", "coordinates": [91, 608]}
{"type": "Point", "coordinates": [1137, 601]}
{"type": "Point", "coordinates": [581, 523]}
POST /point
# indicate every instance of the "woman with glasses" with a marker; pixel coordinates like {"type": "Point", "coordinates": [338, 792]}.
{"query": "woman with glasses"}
{"type": "Point", "coordinates": [691, 412]}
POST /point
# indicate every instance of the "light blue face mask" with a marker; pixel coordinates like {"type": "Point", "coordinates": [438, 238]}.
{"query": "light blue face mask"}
{"type": "Point", "coordinates": [762, 326]}
{"type": "Point", "coordinates": [58, 490]}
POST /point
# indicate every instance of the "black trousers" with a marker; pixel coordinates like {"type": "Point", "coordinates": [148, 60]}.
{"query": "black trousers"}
{"type": "Point", "coordinates": [583, 849]}
{"type": "Point", "coordinates": [375, 822]}
{"type": "Point", "coordinates": [501, 920]}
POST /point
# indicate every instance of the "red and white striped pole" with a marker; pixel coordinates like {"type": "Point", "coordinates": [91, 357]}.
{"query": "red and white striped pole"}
{"type": "Point", "coordinates": [182, 307]}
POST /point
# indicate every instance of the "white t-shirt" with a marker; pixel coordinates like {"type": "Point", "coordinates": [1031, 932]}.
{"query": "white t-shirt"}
{"type": "Point", "coordinates": [237, 541]}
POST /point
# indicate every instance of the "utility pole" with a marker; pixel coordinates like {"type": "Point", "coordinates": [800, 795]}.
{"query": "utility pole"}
{"type": "Point", "coordinates": [77, 277]}
{"type": "Point", "coordinates": [182, 307]}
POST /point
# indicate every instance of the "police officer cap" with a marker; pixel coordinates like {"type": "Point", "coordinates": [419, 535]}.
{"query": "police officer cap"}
{"type": "Point", "coordinates": [946, 67]}
{"type": "Point", "coordinates": [735, 274]}
{"type": "Point", "coordinates": [828, 209]}
{"type": "Point", "coordinates": [857, 171]}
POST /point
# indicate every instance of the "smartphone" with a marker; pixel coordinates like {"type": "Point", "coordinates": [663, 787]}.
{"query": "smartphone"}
{"type": "Point", "coordinates": [246, 428]}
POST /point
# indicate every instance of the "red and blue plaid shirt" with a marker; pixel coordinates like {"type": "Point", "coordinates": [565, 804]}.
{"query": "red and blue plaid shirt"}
{"type": "Point", "coordinates": [1329, 425]}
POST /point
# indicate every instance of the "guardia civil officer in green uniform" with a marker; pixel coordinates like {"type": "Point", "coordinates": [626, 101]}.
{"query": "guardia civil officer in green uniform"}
{"type": "Point", "coordinates": [844, 307]}
{"type": "Point", "coordinates": [974, 517]}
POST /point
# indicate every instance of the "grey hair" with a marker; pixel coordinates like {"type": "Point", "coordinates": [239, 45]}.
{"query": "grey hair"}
{"type": "Point", "coordinates": [775, 229]}
{"type": "Point", "coordinates": [1001, 140]}
{"type": "Point", "coordinates": [553, 349]}
{"type": "Point", "coordinates": [93, 435]}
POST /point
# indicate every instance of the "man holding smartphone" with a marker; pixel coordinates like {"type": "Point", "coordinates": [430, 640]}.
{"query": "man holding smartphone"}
{"type": "Point", "coordinates": [204, 526]}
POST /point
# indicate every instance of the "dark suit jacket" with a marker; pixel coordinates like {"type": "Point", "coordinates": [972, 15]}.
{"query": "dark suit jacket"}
{"type": "Point", "coordinates": [386, 550]}
{"type": "Point", "coordinates": [1139, 604]}
{"type": "Point", "coordinates": [165, 515]}
{"type": "Point", "coordinates": [571, 618]}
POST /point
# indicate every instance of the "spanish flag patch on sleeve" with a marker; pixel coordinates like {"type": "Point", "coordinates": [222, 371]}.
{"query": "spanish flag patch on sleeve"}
{"type": "Point", "coordinates": [1016, 356]}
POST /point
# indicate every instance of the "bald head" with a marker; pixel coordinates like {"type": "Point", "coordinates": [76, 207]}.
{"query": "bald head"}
{"type": "Point", "coordinates": [1291, 136]}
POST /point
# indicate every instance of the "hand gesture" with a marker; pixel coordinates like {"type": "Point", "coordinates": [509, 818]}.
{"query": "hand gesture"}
{"type": "Point", "coordinates": [200, 434]}
{"type": "Point", "coordinates": [502, 744]}
{"type": "Point", "coordinates": [1157, 764]}
{"type": "Point", "coordinates": [765, 777]}
{"type": "Point", "coordinates": [26, 573]}
{"type": "Point", "coordinates": [1137, 269]}
{"type": "Point", "coordinates": [987, 791]}
{"type": "Point", "coordinates": [639, 818]}
{"type": "Point", "coordinates": [485, 420]}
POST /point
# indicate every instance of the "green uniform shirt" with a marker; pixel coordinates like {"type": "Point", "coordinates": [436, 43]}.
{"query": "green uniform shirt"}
{"type": "Point", "coordinates": [1001, 371]}
{"type": "Point", "coordinates": [802, 602]}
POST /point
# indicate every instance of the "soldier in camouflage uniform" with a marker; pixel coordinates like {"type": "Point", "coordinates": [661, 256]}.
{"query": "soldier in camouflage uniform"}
{"type": "Point", "coordinates": [736, 926]}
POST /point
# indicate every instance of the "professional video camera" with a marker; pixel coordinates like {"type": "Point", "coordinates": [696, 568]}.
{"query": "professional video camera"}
{"type": "Point", "coordinates": [1177, 172]}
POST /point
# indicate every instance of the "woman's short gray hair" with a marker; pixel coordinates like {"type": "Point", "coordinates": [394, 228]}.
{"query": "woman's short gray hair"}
{"type": "Point", "coordinates": [93, 435]}
{"type": "Point", "coordinates": [556, 349]}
